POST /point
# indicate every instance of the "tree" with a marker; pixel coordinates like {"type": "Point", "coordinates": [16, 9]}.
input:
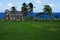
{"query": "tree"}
{"type": "Point", "coordinates": [24, 9]}
{"type": "Point", "coordinates": [48, 9]}
{"type": "Point", "coordinates": [56, 17]}
{"type": "Point", "coordinates": [7, 14]}
{"type": "Point", "coordinates": [13, 10]}
{"type": "Point", "coordinates": [43, 18]}
{"type": "Point", "coordinates": [40, 14]}
{"type": "Point", "coordinates": [30, 7]}
{"type": "Point", "coordinates": [30, 18]}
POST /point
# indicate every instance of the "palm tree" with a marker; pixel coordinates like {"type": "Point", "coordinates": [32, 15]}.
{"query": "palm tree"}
{"type": "Point", "coordinates": [24, 10]}
{"type": "Point", "coordinates": [30, 7]}
{"type": "Point", "coordinates": [48, 9]}
{"type": "Point", "coordinates": [13, 9]}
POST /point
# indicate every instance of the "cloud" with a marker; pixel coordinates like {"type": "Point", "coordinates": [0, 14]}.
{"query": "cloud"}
{"type": "Point", "coordinates": [0, 4]}
{"type": "Point", "coordinates": [52, 5]}
{"type": "Point", "coordinates": [10, 5]}
{"type": "Point", "coordinates": [38, 1]}
{"type": "Point", "coordinates": [16, 0]}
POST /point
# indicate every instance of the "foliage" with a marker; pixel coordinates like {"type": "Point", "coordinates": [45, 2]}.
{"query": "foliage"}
{"type": "Point", "coordinates": [13, 9]}
{"type": "Point", "coordinates": [47, 9]}
{"type": "Point", "coordinates": [30, 18]}
{"type": "Point", "coordinates": [30, 5]}
{"type": "Point", "coordinates": [41, 13]}
{"type": "Point", "coordinates": [24, 9]}
{"type": "Point", "coordinates": [56, 16]}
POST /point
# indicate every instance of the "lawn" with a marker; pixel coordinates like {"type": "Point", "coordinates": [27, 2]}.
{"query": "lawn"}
{"type": "Point", "coordinates": [29, 30]}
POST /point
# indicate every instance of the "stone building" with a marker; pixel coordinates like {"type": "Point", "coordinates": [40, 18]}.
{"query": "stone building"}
{"type": "Point", "coordinates": [13, 16]}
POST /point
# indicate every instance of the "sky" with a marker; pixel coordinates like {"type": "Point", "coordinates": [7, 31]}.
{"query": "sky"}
{"type": "Point", "coordinates": [38, 4]}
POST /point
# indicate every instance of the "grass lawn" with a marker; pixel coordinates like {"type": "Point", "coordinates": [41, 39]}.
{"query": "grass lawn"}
{"type": "Point", "coordinates": [29, 30]}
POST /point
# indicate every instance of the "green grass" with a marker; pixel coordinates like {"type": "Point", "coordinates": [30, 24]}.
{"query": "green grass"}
{"type": "Point", "coordinates": [29, 30]}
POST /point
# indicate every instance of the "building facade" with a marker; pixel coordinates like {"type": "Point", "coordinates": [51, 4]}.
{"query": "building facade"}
{"type": "Point", "coordinates": [13, 16]}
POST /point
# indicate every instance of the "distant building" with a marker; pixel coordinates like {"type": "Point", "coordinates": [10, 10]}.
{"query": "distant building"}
{"type": "Point", "coordinates": [13, 16]}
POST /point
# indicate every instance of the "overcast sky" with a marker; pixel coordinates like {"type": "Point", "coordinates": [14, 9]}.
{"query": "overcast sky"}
{"type": "Point", "coordinates": [38, 4]}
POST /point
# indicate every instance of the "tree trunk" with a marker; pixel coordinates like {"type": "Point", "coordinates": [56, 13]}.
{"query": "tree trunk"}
{"type": "Point", "coordinates": [51, 24]}
{"type": "Point", "coordinates": [22, 18]}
